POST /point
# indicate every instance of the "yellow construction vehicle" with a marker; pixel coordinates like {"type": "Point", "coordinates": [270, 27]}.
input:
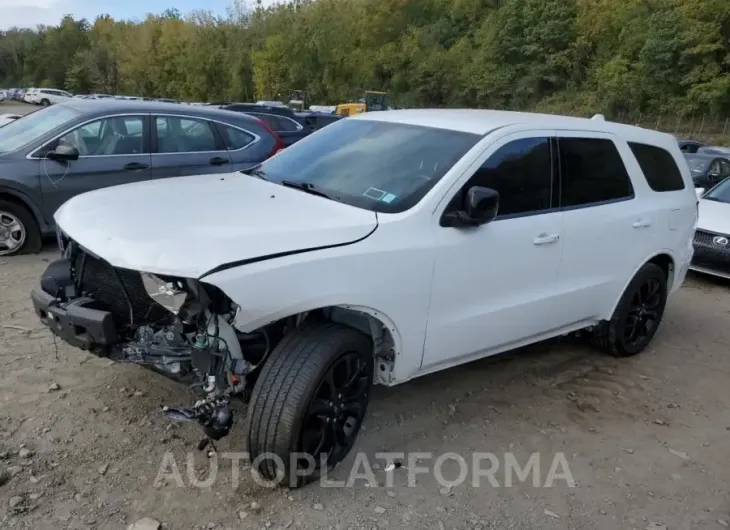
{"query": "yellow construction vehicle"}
{"type": "Point", "coordinates": [371, 102]}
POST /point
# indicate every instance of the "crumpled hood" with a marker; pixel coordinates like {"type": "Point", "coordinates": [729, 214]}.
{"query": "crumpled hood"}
{"type": "Point", "coordinates": [188, 226]}
{"type": "Point", "coordinates": [714, 216]}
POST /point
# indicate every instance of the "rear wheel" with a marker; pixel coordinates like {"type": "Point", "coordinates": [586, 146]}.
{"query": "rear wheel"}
{"type": "Point", "coordinates": [637, 316]}
{"type": "Point", "coordinates": [309, 403]}
{"type": "Point", "coordinates": [45, 102]}
{"type": "Point", "coordinates": [19, 230]}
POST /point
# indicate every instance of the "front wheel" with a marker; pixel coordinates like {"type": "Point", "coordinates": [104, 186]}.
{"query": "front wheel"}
{"type": "Point", "coordinates": [309, 403]}
{"type": "Point", "coordinates": [19, 232]}
{"type": "Point", "coordinates": [637, 316]}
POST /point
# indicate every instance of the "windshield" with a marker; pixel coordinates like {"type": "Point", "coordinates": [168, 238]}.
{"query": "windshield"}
{"type": "Point", "coordinates": [380, 166]}
{"type": "Point", "coordinates": [698, 165]}
{"type": "Point", "coordinates": [34, 125]}
{"type": "Point", "coordinates": [720, 193]}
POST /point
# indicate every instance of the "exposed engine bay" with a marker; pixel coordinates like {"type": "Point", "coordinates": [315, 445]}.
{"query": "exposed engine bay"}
{"type": "Point", "coordinates": [182, 328]}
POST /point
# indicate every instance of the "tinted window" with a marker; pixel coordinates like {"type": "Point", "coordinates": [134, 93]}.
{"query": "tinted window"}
{"type": "Point", "coordinates": [234, 138]}
{"type": "Point", "coordinates": [380, 166]}
{"type": "Point", "coordinates": [184, 135]}
{"type": "Point", "coordinates": [120, 135]}
{"type": "Point", "coordinates": [522, 174]}
{"type": "Point", "coordinates": [277, 123]}
{"type": "Point", "coordinates": [592, 171]}
{"type": "Point", "coordinates": [724, 168]}
{"type": "Point", "coordinates": [34, 125]}
{"type": "Point", "coordinates": [658, 166]}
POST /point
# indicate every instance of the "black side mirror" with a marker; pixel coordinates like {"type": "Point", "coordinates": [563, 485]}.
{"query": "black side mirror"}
{"type": "Point", "coordinates": [64, 152]}
{"type": "Point", "coordinates": [480, 207]}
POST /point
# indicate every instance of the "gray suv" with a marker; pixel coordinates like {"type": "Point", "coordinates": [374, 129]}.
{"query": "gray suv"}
{"type": "Point", "coordinates": [58, 152]}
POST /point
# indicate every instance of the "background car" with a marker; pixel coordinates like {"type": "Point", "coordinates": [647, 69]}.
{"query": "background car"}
{"type": "Point", "coordinates": [48, 96]}
{"type": "Point", "coordinates": [689, 146]}
{"type": "Point", "coordinates": [712, 237]}
{"type": "Point", "coordinates": [25, 96]}
{"type": "Point", "coordinates": [713, 150]}
{"type": "Point", "coordinates": [82, 145]}
{"type": "Point", "coordinates": [317, 120]}
{"type": "Point", "coordinates": [708, 169]}
{"type": "Point", "coordinates": [282, 120]}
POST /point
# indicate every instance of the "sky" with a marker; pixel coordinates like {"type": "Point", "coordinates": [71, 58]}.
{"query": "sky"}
{"type": "Point", "coordinates": [30, 13]}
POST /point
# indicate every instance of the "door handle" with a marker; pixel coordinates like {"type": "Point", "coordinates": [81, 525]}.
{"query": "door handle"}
{"type": "Point", "coordinates": [217, 161]}
{"type": "Point", "coordinates": [546, 239]}
{"type": "Point", "coordinates": [135, 166]}
{"type": "Point", "coordinates": [641, 223]}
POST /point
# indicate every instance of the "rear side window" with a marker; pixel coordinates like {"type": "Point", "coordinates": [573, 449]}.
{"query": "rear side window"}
{"type": "Point", "coordinates": [592, 171]}
{"type": "Point", "coordinates": [234, 138]}
{"type": "Point", "coordinates": [658, 166]}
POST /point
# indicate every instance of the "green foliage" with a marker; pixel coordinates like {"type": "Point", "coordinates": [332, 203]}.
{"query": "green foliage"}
{"type": "Point", "coordinates": [571, 56]}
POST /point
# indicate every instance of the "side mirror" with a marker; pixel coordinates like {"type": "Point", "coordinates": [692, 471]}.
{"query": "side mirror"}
{"type": "Point", "coordinates": [700, 192]}
{"type": "Point", "coordinates": [480, 207]}
{"type": "Point", "coordinates": [64, 152]}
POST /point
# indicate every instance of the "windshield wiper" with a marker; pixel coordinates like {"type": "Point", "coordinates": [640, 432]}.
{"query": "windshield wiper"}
{"type": "Point", "coordinates": [308, 187]}
{"type": "Point", "coordinates": [255, 171]}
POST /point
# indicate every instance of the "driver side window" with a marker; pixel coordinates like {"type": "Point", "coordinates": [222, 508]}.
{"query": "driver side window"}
{"type": "Point", "coordinates": [118, 135]}
{"type": "Point", "coordinates": [521, 171]}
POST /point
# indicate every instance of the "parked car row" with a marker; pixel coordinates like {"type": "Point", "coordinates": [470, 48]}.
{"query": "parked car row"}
{"type": "Point", "coordinates": [83, 145]}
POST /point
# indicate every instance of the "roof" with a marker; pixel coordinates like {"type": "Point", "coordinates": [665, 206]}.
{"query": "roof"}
{"type": "Point", "coordinates": [479, 121]}
{"type": "Point", "coordinates": [125, 105]}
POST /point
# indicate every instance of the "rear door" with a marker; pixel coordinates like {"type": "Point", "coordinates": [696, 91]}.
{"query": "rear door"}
{"type": "Point", "coordinates": [112, 150]}
{"type": "Point", "coordinates": [186, 145]}
{"type": "Point", "coordinates": [609, 223]}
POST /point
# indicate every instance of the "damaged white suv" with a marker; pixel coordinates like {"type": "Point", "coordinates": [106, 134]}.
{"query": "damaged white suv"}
{"type": "Point", "coordinates": [383, 247]}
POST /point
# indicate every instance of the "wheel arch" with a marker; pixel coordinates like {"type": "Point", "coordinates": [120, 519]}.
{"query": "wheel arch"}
{"type": "Point", "coordinates": [19, 198]}
{"type": "Point", "coordinates": [664, 259]}
{"type": "Point", "coordinates": [387, 341]}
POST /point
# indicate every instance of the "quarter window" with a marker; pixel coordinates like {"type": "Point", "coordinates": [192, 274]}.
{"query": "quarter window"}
{"type": "Point", "coordinates": [184, 135]}
{"type": "Point", "coordinates": [521, 171]}
{"type": "Point", "coordinates": [658, 166]}
{"type": "Point", "coordinates": [592, 171]}
{"type": "Point", "coordinates": [235, 138]}
{"type": "Point", "coordinates": [119, 135]}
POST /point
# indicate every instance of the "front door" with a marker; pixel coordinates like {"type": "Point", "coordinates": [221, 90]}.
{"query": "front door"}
{"type": "Point", "coordinates": [494, 285]}
{"type": "Point", "coordinates": [184, 146]}
{"type": "Point", "coordinates": [112, 151]}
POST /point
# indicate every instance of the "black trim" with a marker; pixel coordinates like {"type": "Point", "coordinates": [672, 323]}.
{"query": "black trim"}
{"type": "Point", "coordinates": [147, 134]}
{"type": "Point", "coordinates": [248, 261]}
{"type": "Point", "coordinates": [153, 132]}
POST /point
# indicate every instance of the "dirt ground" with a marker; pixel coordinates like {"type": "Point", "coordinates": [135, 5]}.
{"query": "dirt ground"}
{"type": "Point", "coordinates": [645, 439]}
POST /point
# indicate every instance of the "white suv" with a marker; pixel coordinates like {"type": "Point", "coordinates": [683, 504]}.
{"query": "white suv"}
{"type": "Point", "coordinates": [378, 249]}
{"type": "Point", "coordinates": [48, 96]}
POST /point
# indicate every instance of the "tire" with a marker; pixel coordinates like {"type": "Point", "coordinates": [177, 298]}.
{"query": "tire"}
{"type": "Point", "coordinates": [45, 103]}
{"type": "Point", "coordinates": [30, 242]}
{"type": "Point", "coordinates": [614, 336]}
{"type": "Point", "coordinates": [280, 419]}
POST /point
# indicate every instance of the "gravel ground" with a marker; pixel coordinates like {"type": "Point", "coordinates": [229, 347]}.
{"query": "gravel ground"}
{"type": "Point", "coordinates": [645, 439]}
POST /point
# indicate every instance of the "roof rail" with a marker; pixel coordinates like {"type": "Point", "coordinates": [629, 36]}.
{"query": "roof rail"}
{"type": "Point", "coordinates": [599, 117]}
